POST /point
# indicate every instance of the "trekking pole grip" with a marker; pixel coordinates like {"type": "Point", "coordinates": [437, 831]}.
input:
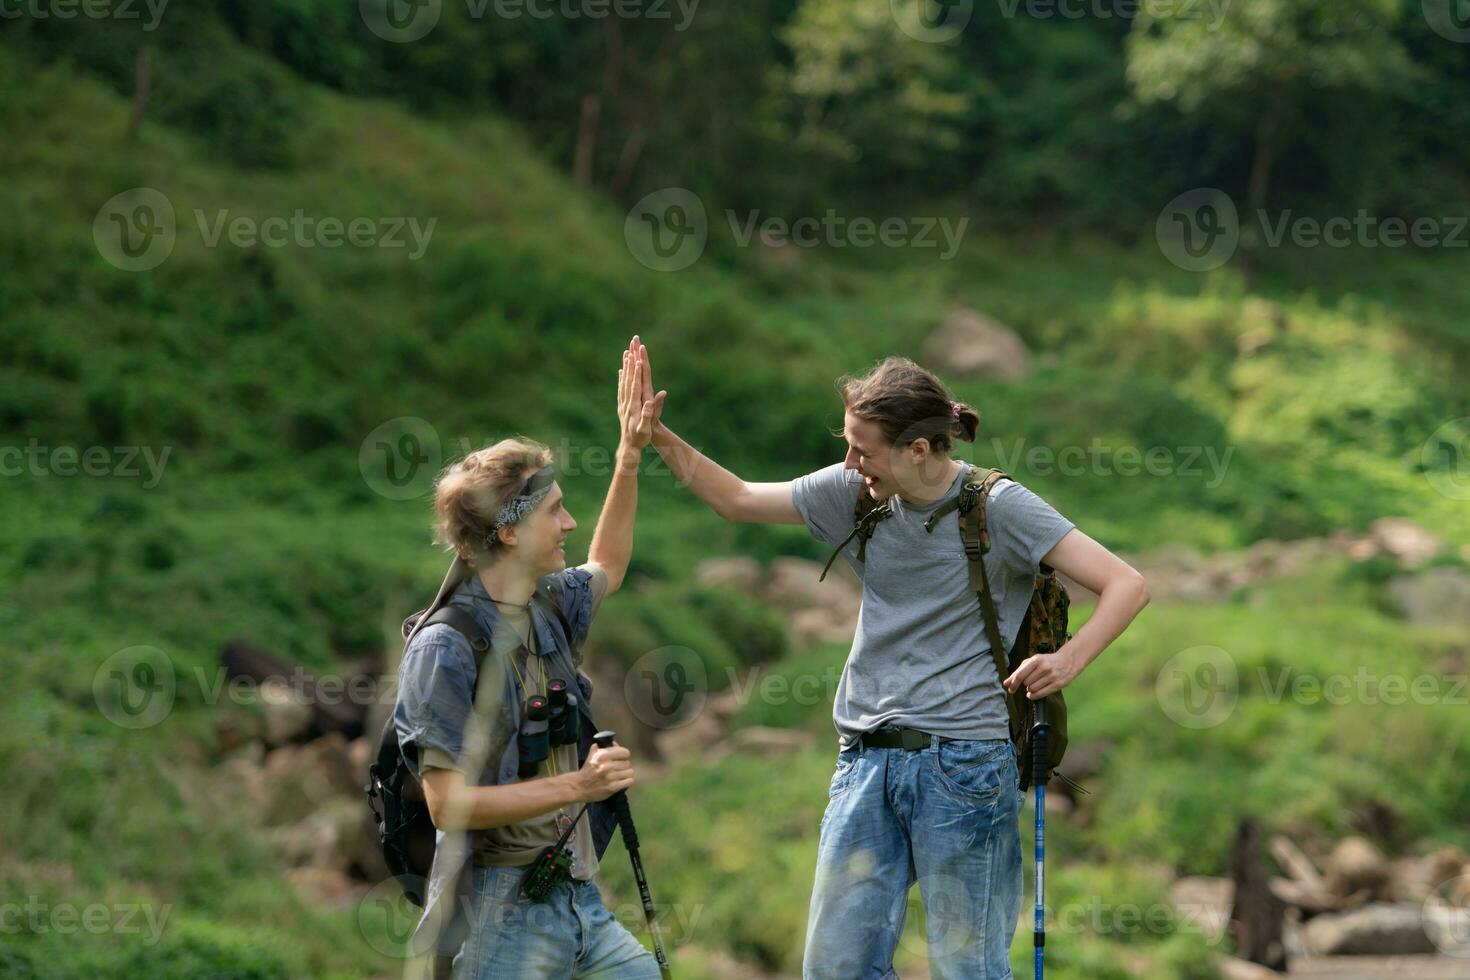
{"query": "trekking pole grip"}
{"type": "Point", "coordinates": [1039, 754]}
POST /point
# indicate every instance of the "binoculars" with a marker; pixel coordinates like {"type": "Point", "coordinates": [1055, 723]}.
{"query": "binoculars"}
{"type": "Point", "coordinates": [547, 721]}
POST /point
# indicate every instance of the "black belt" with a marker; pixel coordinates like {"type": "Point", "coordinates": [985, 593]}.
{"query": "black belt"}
{"type": "Point", "coordinates": [898, 738]}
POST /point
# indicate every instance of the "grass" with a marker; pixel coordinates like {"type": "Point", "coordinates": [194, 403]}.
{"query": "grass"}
{"type": "Point", "coordinates": [262, 372]}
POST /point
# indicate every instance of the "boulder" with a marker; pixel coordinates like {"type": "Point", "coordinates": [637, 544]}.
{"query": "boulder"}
{"type": "Point", "coordinates": [1202, 905]}
{"type": "Point", "coordinates": [286, 711]}
{"type": "Point", "coordinates": [1413, 879]}
{"type": "Point", "coordinates": [809, 627]}
{"type": "Point", "coordinates": [323, 886]}
{"type": "Point", "coordinates": [794, 584]}
{"type": "Point", "coordinates": [1434, 597]}
{"type": "Point", "coordinates": [331, 836]}
{"type": "Point", "coordinates": [1377, 929]}
{"type": "Point", "coordinates": [1354, 865]}
{"type": "Point", "coordinates": [301, 779]}
{"type": "Point", "coordinates": [969, 344]}
{"type": "Point", "coordinates": [1411, 544]}
{"type": "Point", "coordinates": [730, 572]}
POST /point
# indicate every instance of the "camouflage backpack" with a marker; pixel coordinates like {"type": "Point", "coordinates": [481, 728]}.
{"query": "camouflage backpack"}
{"type": "Point", "coordinates": [1043, 628]}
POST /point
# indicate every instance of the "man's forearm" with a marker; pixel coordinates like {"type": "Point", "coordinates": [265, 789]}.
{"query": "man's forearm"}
{"type": "Point", "coordinates": [483, 807]}
{"type": "Point", "coordinates": [709, 481]}
{"type": "Point", "coordinates": [612, 539]}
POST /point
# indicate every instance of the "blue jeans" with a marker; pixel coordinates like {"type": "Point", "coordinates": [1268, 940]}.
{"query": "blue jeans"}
{"type": "Point", "coordinates": [944, 816]}
{"type": "Point", "coordinates": [572, 934]}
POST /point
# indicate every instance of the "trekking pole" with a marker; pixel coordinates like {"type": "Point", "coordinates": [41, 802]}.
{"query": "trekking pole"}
{"type": "Point", "coordinates": [1039, 777]}
{"type": "Point", "coordinates": [618, 803]}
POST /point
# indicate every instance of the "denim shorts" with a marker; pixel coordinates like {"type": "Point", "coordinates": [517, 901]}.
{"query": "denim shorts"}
{"type": "Point", "coordinates": [946, 817]}
{"type": "Point", "coordinates": [572, 934]}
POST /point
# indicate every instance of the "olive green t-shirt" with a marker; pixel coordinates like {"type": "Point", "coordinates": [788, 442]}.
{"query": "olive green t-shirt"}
{"type": "Point", "coordinates": [519, 844]}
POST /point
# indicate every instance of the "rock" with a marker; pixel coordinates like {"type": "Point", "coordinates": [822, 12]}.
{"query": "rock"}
{"type": "Point", "coordinates": [1203, 905]}
{"type": "Point", "coordinates": [1356, 865]}
{"type": "Point", "coordinates": [1378, 929]}
{"type": "Point", "coordinates": [332, 836]}
{"type": "Point", "coordinates": [1234, 969]}
{"type": "Point", "coordinates": [809, 627]}
{"type": "Point", "coordinates": [732, 572]}
{"type": "Point", "coordinates": [1411, 544]}
{"type": "Point", "coordinates": [301, 779]}
{"type": "Point", "coordinates": [286, 711]}
{"type": "Point", "coordinates": [1434, 597]}
{"type": "Point", "coordinates": [969, 344]}
{"type": "Point", "coordinates": [1413, 879]}
{"type": "Point", "coordinates": [794, 584]}
{"type": "Point", "coordinates": [323, 886]}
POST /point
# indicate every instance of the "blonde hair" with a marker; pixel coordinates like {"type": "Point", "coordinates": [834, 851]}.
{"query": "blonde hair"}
{"type": "Point", "coordinates": [469, 493]}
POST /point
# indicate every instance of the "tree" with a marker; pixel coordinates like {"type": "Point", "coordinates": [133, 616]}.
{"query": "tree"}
{"type": "Point", "coordinates": [1255, 63]}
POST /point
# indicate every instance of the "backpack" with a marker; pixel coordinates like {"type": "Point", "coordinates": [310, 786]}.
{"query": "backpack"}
{"type": "Point", "coordinates": [1043, 628]}
{"type": "Point", "coordinates": [406, 832]}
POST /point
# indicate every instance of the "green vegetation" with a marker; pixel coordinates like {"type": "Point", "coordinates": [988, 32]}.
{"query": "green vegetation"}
{"type": "Point", "coordinates": [1314, 384]}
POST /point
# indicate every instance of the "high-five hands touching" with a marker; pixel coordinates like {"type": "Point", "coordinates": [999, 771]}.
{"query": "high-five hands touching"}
{"type": "Point", "coordinates": [639, 408]}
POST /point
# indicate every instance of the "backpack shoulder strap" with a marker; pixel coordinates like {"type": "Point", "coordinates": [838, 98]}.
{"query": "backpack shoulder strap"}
{"type": "Point", "coordinates": [866, 513]}
{"type": "Point", "coordinates": [462, 622]}
{"type": "Point", "coordinates": [975, 537]}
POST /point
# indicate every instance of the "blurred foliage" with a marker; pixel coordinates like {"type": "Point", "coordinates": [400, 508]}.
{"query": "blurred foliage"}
{"type": "Point", "coordinates": [1297, 403]}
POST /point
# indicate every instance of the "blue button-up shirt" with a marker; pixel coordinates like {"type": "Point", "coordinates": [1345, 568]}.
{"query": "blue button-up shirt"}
{"type": "Point", "coordinates": [442, 704]}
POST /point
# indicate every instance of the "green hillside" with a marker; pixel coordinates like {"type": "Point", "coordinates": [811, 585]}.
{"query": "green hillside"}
{"type": "Point", "coordinates": [263, 371]}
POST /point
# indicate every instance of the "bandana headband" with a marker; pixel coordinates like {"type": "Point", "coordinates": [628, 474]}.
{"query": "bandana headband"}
{"type": "Point", "coordinates": [530, 495]}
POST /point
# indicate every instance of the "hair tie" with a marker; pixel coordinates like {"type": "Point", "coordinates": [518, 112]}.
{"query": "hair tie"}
{"type": "Point", "coordinates": [954, 409]}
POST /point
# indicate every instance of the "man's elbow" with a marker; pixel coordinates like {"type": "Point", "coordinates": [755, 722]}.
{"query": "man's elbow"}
{"type": "Point", "coordinates": [1139, 585]}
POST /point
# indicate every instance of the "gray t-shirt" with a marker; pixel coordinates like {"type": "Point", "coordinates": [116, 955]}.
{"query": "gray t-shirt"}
{"type": "Point", "coordinates": [920, 658]}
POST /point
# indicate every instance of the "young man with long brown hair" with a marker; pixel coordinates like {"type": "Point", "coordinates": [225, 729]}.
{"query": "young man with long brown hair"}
{"type": "Point", "coordinates": [926, 786]}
